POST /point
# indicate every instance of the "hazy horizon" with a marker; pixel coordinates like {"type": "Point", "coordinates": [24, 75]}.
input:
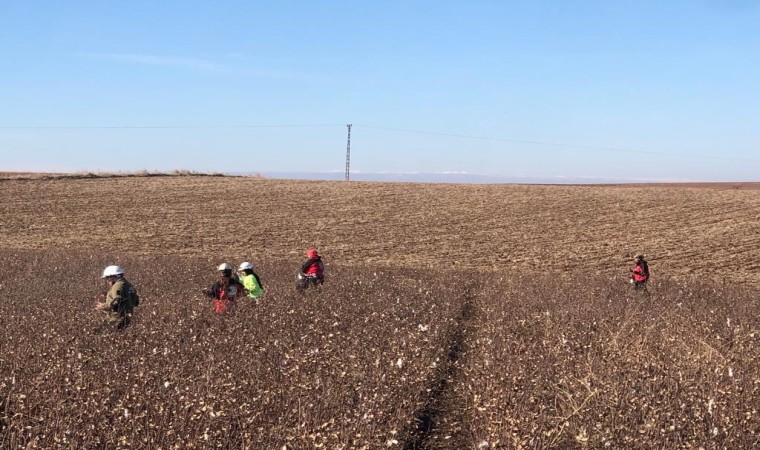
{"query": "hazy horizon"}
{"type": "Point", "coordinates": [413, 177]}
{"type": "Point", "coordinates": [542, 90]}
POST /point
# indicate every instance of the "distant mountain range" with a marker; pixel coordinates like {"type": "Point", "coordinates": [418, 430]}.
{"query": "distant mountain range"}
{"type": "Point", "coordinates": [444, 177]}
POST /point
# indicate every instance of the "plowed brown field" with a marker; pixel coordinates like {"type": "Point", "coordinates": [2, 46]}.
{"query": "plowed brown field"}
{"type": "Point", "coordinates": [453, 316]}
{"type": "Point", "coordinates": [682, 230]}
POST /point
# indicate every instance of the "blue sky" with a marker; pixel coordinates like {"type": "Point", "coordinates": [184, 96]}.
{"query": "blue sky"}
{"type": "Point", "coordinates": [630, 90]}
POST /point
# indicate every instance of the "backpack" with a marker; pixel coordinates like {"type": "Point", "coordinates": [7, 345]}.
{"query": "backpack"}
{"type": "Point", "coordinates": [645, 268]}
{"type": "Point", "coordinates": [132, 292]}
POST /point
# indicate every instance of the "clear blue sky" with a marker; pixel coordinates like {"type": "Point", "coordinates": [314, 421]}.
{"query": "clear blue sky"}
{"type": "Point", "coordinates": [631, 89]}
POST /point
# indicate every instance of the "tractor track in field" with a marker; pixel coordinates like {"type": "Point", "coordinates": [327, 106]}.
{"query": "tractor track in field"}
{"type": "Point", "coordinates": [439, 404]}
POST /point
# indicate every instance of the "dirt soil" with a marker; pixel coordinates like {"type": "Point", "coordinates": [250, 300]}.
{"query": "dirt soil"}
{"type": "Point", "coordinates": [454, 316]}
{"type": "Point", "coordinates": [683, 231]}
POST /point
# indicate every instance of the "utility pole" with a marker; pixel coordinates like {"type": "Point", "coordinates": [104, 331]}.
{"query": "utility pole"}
{"type": "Point", "coordinates": [348, 151]}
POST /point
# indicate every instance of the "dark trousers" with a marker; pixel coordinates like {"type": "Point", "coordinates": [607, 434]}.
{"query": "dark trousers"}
{"type": "Point", "coordinates": [639, 285]}
{"type": "Point", "coordinates": [303, 283]}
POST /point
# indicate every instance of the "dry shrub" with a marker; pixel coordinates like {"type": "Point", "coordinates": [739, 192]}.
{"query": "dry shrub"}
{"type": "Point", "coordinates": [345, 367]}
{"type": "Point", "coordinates": [587, 363]}
{"type": "Point", "coordinates": [480, 359]}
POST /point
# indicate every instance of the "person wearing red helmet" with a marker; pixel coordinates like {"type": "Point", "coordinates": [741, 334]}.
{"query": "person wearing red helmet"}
{"type": "Point", "coordinates": [312, 272]}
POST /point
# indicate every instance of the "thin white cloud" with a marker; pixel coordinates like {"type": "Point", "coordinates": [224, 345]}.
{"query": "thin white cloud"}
{"type": "Point", "coordinates": [157, 60]}
{"type": "Point", "coordinates": [202, 65]}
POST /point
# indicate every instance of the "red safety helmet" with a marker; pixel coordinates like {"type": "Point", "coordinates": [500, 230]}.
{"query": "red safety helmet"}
{"type": "Point", "coordinates": [312, 253]}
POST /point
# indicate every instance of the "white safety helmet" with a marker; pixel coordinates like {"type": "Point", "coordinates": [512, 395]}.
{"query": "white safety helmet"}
{"type": "Point", "coordinates": [245, 266]}
{"type": "Point", "coordinates": [224, 267]}
{"type": "Point", "coordinates": [112, 271]}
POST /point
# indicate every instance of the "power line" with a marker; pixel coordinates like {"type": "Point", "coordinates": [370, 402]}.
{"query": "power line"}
{"type": "Point", "coordinates": [554, 144]}
{"type": "Point", "coordinates": [163, 127]}
{"type": "Point", "coordinates": [403, 130]}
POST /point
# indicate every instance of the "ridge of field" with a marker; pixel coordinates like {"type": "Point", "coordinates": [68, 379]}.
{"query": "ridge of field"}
{"type": "Point", "coordinates": [684, 231]}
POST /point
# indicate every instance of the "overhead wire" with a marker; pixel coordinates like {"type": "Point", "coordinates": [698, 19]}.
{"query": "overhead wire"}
{"type": "Point", "coordinates": [162, 127]}
{"type": "Point", "coordinates": [554, 144]}
{"type": "Point", "coordinates": [375, 127]}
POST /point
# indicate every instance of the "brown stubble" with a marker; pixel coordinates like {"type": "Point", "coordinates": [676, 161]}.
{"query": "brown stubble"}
{"type": "Point", "coordinates": [556, 364]}
{"type": "Point", "coordinates": [344, 367]}
{"type": "Point", "coordinates": [454, 316]}
{"type": "Point", "coordinates": [592, 229]}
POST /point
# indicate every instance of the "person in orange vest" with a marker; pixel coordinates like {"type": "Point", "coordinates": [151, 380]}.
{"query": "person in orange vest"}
{"type": "Point", "coordinates": [639, 273]}
{"type": "Point", "coordinates": [225, 290]}
{"type": "Point", "coordinates": [312, 272]}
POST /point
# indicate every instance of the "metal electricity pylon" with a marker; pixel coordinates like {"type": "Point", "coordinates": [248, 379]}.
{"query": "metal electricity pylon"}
{"type": "Point", "coordinates": [348, 151]}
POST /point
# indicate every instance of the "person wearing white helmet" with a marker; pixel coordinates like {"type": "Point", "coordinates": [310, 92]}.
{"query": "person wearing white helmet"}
{"type": "Point", "coordinates": [250, 280]}
{"type": "Point", "coordinates": [121, 299]}
{"type": "Point", "coordinates": [225, 290]}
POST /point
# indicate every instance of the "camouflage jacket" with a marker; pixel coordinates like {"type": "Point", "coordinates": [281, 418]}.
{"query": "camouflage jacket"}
{"type": "Point", "coordinates": [121, 299]}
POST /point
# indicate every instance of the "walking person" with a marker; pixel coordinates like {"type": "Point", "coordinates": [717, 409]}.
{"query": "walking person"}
{"type": "Point", "coordinates": [121, 299]}
{"type": "Point", "coordinates": [639, 273]}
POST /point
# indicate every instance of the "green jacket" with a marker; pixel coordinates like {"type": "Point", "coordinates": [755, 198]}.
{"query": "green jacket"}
{"type": "Point", "coordinates": [253, 285]}
{"type": "Point", "coordinates": [121, 299]}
